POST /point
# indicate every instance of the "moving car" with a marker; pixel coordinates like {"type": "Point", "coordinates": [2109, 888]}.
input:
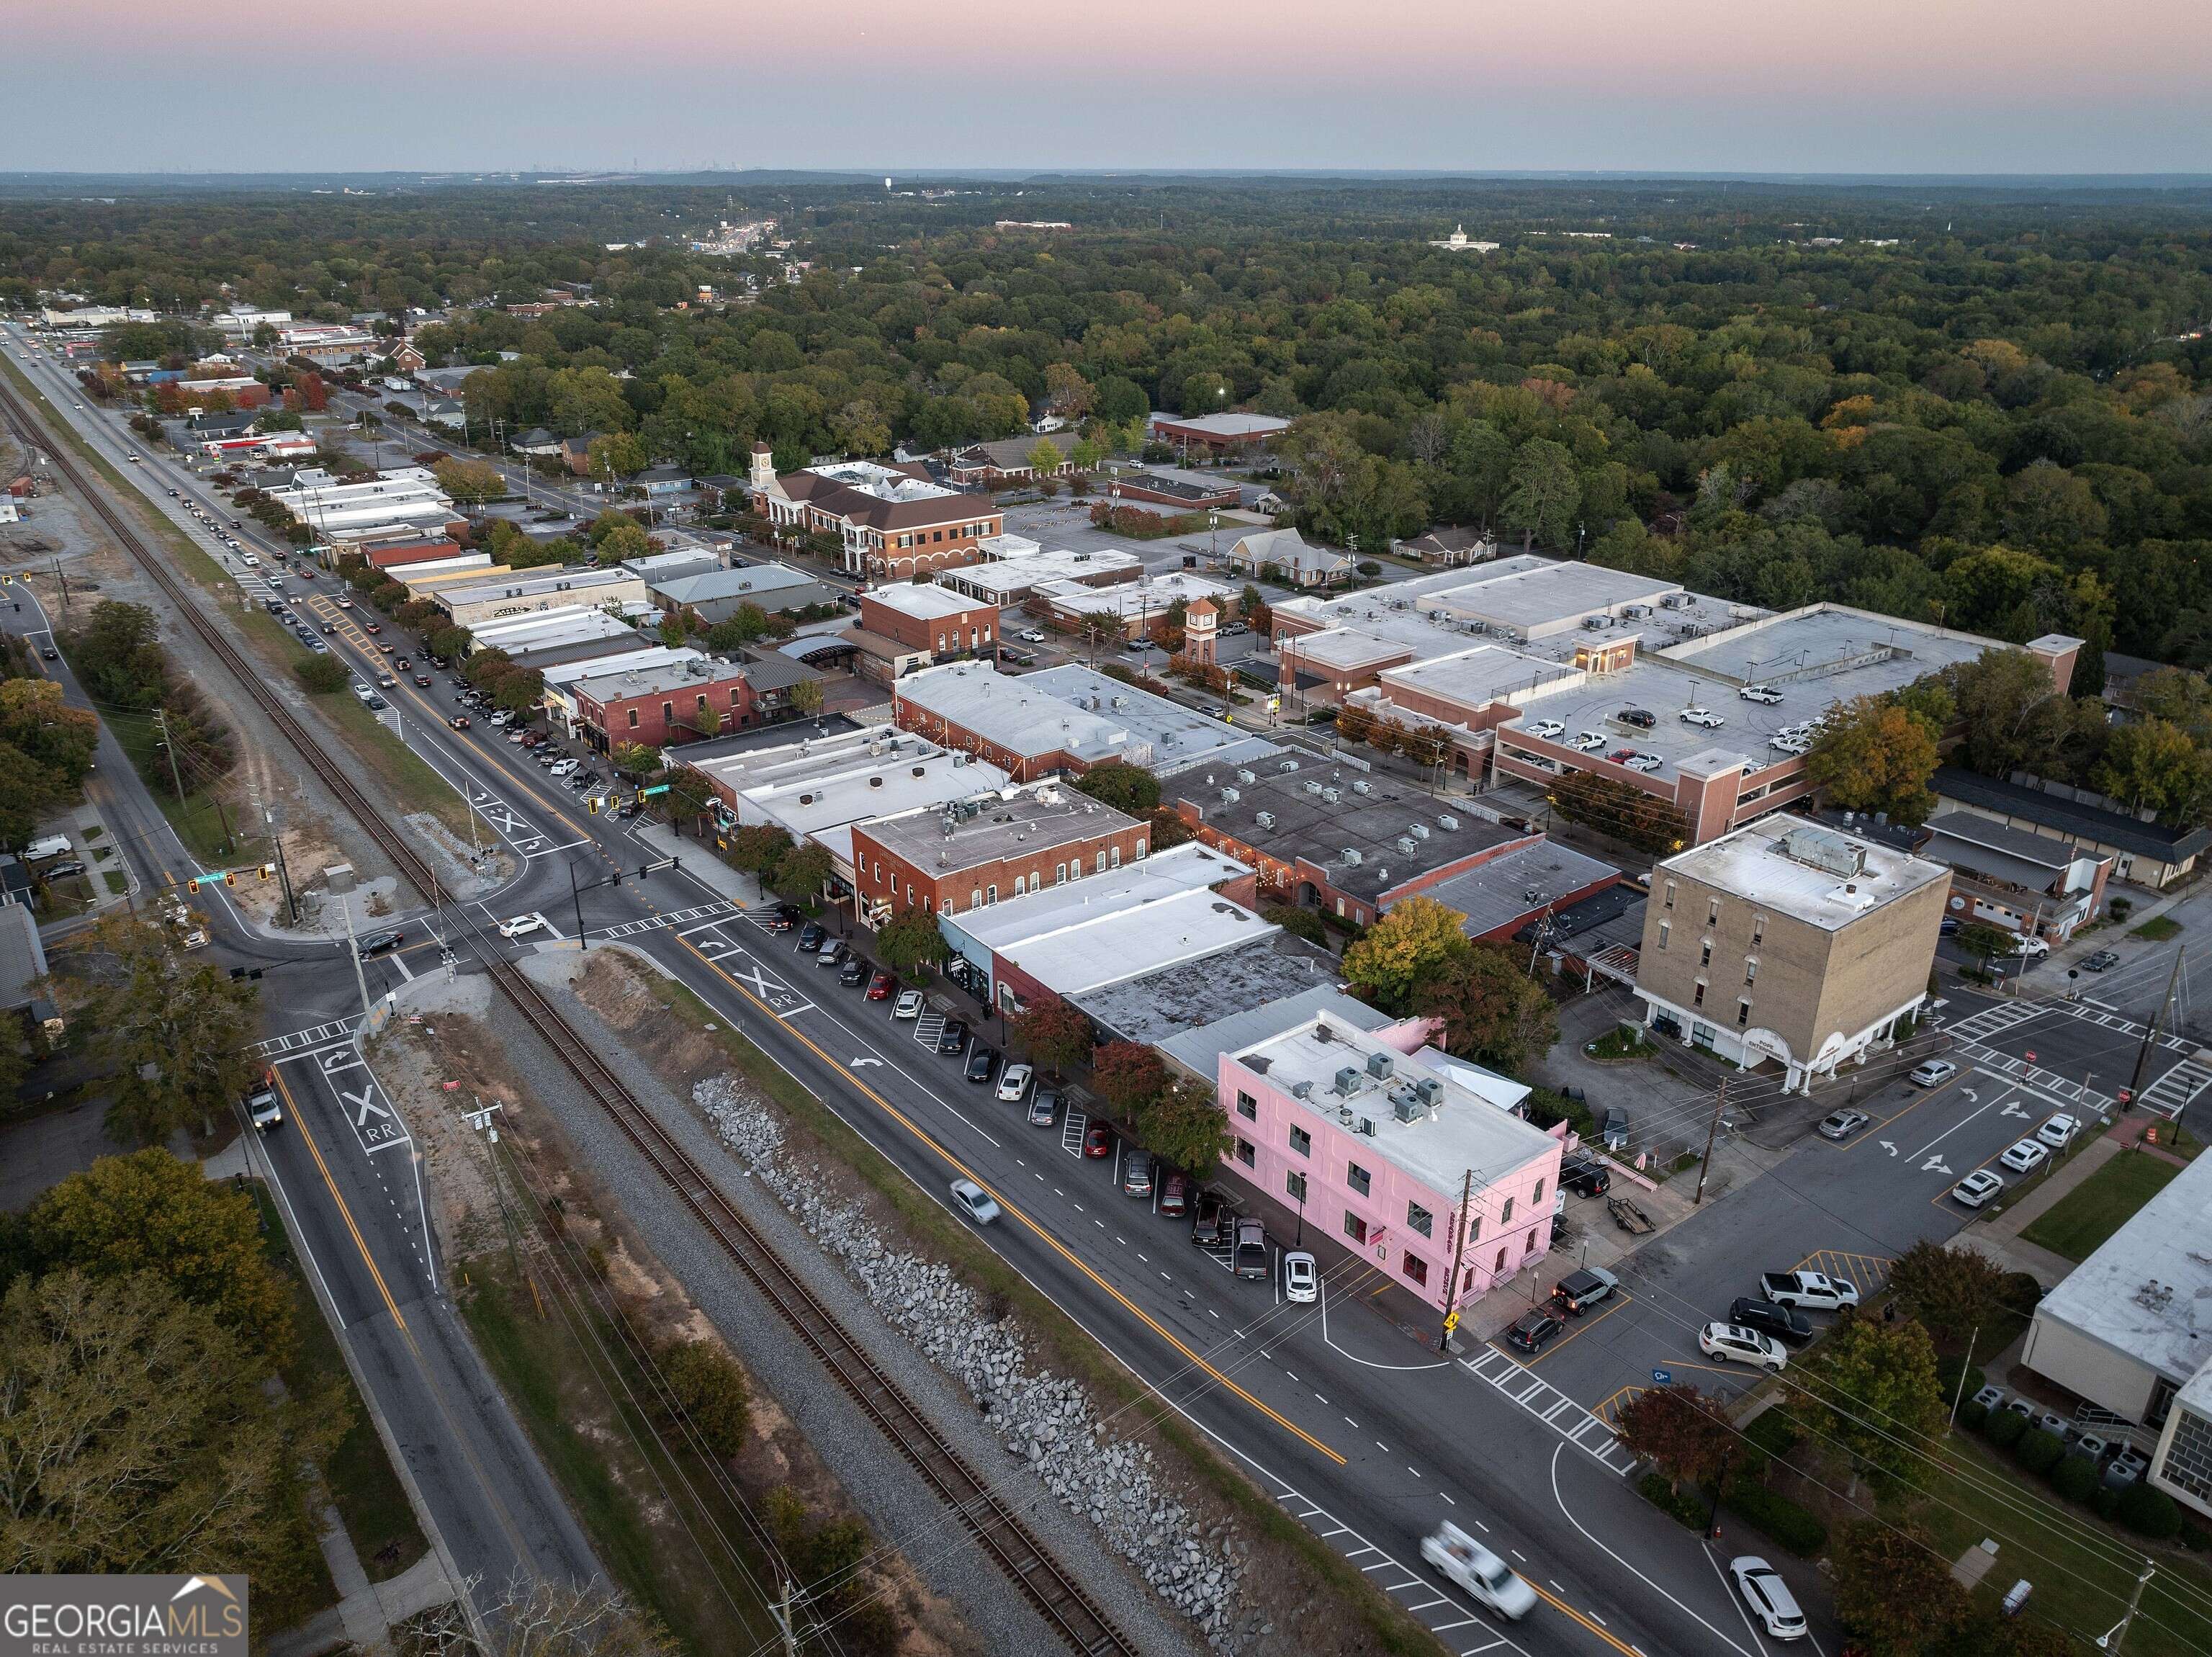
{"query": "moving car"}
{"type": "Point", "coordinates": [1765, 694]}
{"type": "Point", "coordinates": [378, 943]}
{"type": "Point", "coordinates": [1533, 1331]}
{"type": "Point", "coordinates": [423, 680]}
{"type": "Point", "coordinates": [908, 1005]}
{"type": "Point", "coordinates": [1578, 1291]}
{"type": "Point", "coordinates": [973, 1201]}
{"type": "Point", "coordinates": [1098, 1140]}
{"type": "Point", "coordinates": [982, 1064]}
{"type": "Point", "coordinates": [1842, 1124]}
{"type": "Point", "coordinates": [1978, 1187]}
{"type": "Point", "coordinates": [1301, 1278]}
{"type": "Point", "coordinates": [2059, 1132]}
{"type": "Point", "coordinates": [1014, 1084]}
{"type": "Point", "coordinates": [1769, 1318]}
{"type": "Point", "coordinates": [1768, 1596]}
{"type": "Point", "coordinates": [1732, 1343]}
{"type": "Point", "coordinates": [953, 1038]}
{"type": "Point", "coordinates": [2103, 961]}
{"type": "Point", "coordinates": [1468, 1565]}
{"type": "Point", "coordinates": [2024, 1157]}
{"type": "Point", "coordinates": [262, 1108]}
{"type": "Point", "coordinates": [369, 626]}
{"type": "Point", "coordinates": [47, 653]}
{"type": "Point", "coordinates": [1815, 1291]}
{"type": "Point", "coordinates": [1248, 1253]}
{"type": "Point", "coordinates": [1934, 1073]}
{"type": "Point", "coordinates": [521, 926]}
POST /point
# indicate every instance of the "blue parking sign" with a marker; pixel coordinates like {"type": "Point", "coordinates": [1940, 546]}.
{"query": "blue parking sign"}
{"type": "Point", "coordinates": [1662, 1376]}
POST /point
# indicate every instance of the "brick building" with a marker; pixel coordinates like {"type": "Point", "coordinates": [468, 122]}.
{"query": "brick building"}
{"type": "Point", "coordinates": [674, 703]}
{"type": "Point", "coordinates": [1789, 942]}
{"type": "Point", "coordinates": [891, 522]}
{"type": "Point", "coordinates": [935, 619]}
{"type": "Point", "coordinates": [974, 852]}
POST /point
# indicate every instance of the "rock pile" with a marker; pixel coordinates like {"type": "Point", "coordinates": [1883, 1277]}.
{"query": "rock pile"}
{"type": "Point", "coordinates": [1044, 1421]}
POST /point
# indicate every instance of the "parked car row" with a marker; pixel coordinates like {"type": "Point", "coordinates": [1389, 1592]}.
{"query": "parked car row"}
{"type": "Point", "coordinates": [2025, 1155]}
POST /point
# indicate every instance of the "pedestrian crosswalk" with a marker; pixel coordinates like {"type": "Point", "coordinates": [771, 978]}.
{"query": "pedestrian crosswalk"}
{"type": "Point", "coordinates": [674, 918]}
{"type": "Point", "coordinates": [1581, 1428]}
{"type": "Point", "coordinates": [927, 1028]}
{"type": "Point", "coordinates": [1070, 1131]}
{"type": "Point", "coordinates": [299, 1041]}
{"type": "Point", "coordinates": [2171, 1093]}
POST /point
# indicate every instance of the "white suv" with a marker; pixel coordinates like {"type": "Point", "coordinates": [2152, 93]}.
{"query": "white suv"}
{"type": "Point", "coordinates": [1732, 1343]}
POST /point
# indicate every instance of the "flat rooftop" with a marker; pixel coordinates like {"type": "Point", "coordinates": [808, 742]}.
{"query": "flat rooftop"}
{"type": "Point", "coordinates": [1148, 595]}
{"type": "Point", "coordinates": [1003, 580]}
{"type": "Point", "coordinates": [551, 630]}
{"type": "Point", "coordinates": [659, 678]}
{"type": "Point", "coordinates": [1020, 715]}
{"type": "Point", "coordinates": [1188, 867]}
{"type": "Point", "coordinates": [1199, 1048]}
{"type": "Point", "coordinates": [1225, 425]}
{"type": "Point", "coordinates": [520, 586]}
{"type": "Point", "coordinates": [1042, 816]}
{"type": "Point", "coordinates": [1369, 834]}
{"type": "Point", "coordinates": [1825, 655]}
{"type": "Point", "coordinates": [1486, 673]}
{"type": "Point", "coordinates": [1093, 951]}
{"type": "Point", "coordinates": [654, 655]}
{"type": "Point", "coordinates": [2147, 1292]}
{"type": "Point", "coordinates": [1514, 883]}
{"type": "Point", "coordinates": [1175, 736]}
{"type": "Point", "coordinates": [1465, 1130]}
{"type": "Point", "coordinates": [1194, 996]}
{"type": "Point", "coordinates": [930, 603]}
{"type": "Point", "coordinates": [1811, 872]}
{"type": "Point", "coordinates": [881, 481]}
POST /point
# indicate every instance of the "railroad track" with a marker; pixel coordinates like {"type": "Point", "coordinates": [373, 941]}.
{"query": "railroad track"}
{"type": "Point", "coordinates": [1078, 1619]}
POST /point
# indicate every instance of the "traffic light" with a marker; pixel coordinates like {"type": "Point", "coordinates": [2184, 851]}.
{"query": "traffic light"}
{"type": "Point", "coordinates": [268, 870]}
{"type": "Point", "coordinates": [230, 877]}
{"type": "Point", "coordinates": [593, 804]}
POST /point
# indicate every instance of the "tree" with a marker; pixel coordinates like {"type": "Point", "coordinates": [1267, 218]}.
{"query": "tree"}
{"type": "Point", "coordinates": [1952, 1291]}
{"type": "Point", "coordinates": [1044, 458]}
{"type": "Point", "coordinates": [1052, 1034]}
{"type": "Point", "coordinates": [2005, 703]}
{"type": "Point", "coordinates": [472, 481]}
{"type": "Point", "coordinates": [911, 944]}
{"type": "Point", "coordinates": [1253, 611]}
{"type": "Point", "coordinates": [1870, 1388]}
{"type": "Point", "coordinates": [138, 1438]}
{"type": "Point", "coordinates": [323, 675]}
{"type": "Point", "coordinates": [1124, 787]}
{"type": "Point", "coordinates": [1875, 755]}
{"type": "Point", "coordinates": [1493, 1011]}
{"type": "Point", "coordinates": [537, 1617]}
{"type": "Point", "coordinates": [1686, 1434]}
{"type": "Point", "coordinates": [1419, 938]}
{"type": "Point", "coordinates": [1985, 942]}
{"type": "Point", "coordinates": [1129, 1077]}
{"type": "Point", "coordinates": [27, 793]}
{"type": "Point", "coordinates": [807, 697]}
{"type": "Point", "coordinates": [714, 1392]}
{"type": "Point", "coordinates": [1169, 830]}
{"type": "Point", "coordinates": [803, 871]}
{"type": "Point", "coordinates": [756, 848]}
{"type": "Point", "coordinates": [1893, 1591]}
{"type": "Point", "coordinates": [1543, 493]}
{"type": "Point", "coordinates": [522, 691]}
{"type": "Point", "coordinates": [1299, 922]}
{"type": "Point", "coordinates": [2150, 764]}
{"type": "Point", "coordinates": [173, 1031]}
{"type": "Point", "coordinates": [617, 454]}
{"type": "Point", "coordinates": [1183, 1123]}
{"type": "Point", "coordinates": [34, 717]}
{"type": "Point", "coordinates": [1621, 810]}
{"type": "Point", "coordinates": [148, 1212]}
{"type": "Point", "coordinates": [635, 760]}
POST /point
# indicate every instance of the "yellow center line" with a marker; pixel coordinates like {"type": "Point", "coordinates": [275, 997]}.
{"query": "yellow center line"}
{"type": "Point", "coordinates": [1007, 1207]}
{"type": "Point", "coordinates": [1558, 1603]}
{"type": "Point", "coordinates": [1620, 1300]}
{"type": "Point", "coordinates": [298, 1120]}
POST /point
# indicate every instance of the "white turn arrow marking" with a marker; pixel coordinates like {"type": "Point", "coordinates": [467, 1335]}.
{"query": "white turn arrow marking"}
{"type": "Point", "coordinates": [2012, 1109]}
{"type": "Point", "coordinates": [857, 1063]}
{"type": "Point", "coordinates": [1970, 1095]}
{"type": "Point", "coordinates": [1935, 1165]}
{"type": "Point", "coordinates": [1887, 1145]}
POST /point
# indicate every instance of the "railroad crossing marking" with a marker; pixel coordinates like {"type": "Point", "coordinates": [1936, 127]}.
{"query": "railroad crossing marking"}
{"type": "Point", "coordinates": [1572, 1423]}
{"type": "Point", "coordinates": [512, 827]}
{"type": "Point", "coordinates": [782, 1000]}
{"type": "Point", "coordinates": [374, 1123]}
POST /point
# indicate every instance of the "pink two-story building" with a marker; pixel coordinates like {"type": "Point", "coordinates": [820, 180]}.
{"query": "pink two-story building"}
{"type": "Point", "coordinates": [1376, 1138]}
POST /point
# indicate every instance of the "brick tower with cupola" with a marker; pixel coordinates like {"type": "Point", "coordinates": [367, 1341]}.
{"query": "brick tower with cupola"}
{"type": "Point", "coordinates": [1201, 622]}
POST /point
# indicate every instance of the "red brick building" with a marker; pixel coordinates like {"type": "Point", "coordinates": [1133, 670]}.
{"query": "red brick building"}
{"type": "Point", "coordinates": [391, 555]}
{"type": "Point", "coordinates": [663, 706]}
{"type": "Point", "coordinates": [947, 859]}
{"type": "Point", "coordinates": [932, 619]}
{"type": "Point", "coordinates": [893, 522]}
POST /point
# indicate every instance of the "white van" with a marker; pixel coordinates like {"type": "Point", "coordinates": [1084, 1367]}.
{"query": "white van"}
{"type": "Point", "coordinates": [40, 851]}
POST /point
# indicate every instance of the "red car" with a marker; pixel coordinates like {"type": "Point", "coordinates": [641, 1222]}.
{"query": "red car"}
{"type": "Point", "coordinates": [458, 721]}
{"type": "Point", "coordinates": [1098, 1140]}
{"type": "Point", "coordinates": [1175, 1194]}
{"type": "Point", "coordinates": [880, 986]}
{"type": "Point", "coordinates": [423, 680]}
{"type": "Point", "coordinates": [372, 627]}
{"type": "Point", "coordinates": [402, 664]}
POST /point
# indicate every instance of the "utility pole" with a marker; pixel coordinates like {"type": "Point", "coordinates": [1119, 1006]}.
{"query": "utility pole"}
{"type": "Point", "coordinates": [783, 1623]}
{"type": "Point", "coordinates": [283, 873]}
{"type": "Point", "coordinates": [1719, 1099]}
{"type": "Point", "coordinates": [1961, 1391]}
{"type": "Point", "coordinates": [1459, 1260]}
{"type": "Point", "coordinates": [353, 949]}
{"type": "Point", "coordinates": [161, 725]}
{"type": "Point", "coordinates": [2142, 1054]}
{"type": "Point", "coordinates": [576, 896]}
{"type": "Point", "coordinates": [2112, 1642]}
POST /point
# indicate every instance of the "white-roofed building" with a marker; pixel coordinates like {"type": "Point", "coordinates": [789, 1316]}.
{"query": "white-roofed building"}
{"type": "Point", "coordinates": [1013, 569]}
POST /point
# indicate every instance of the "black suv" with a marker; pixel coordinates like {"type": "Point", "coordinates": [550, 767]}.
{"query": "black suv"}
{"type": "Point", "coordinates": [1534, 1331]}
{"type": "Point", "coordinates": [1210, 1219]}
{"type": "Point", "coordinates": [854, 971]}
{"type": "Point", "coordinates": [811, 936]}
{"type": "Point", "coordinates": [781, 918]}
{"type": "Point", "coordinates": [953, 1036]}
{"type": "Point", "coordinates": [1585, 1176]}
{"type": "Point", "coordinates": [1642, 719]}
{"type": "Point", "coordinates": [1768, 1318]}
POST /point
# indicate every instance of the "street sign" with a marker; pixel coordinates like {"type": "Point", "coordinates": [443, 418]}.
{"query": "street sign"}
{"type": "Point", "coordinates": [1451, 1320]}
{"type": "Point", "coordinates": [1662, 1376]}
{"type": "Point", "coordinates": [658, 787]}
{"type": "Point", "coordinates": [2030, 1055]}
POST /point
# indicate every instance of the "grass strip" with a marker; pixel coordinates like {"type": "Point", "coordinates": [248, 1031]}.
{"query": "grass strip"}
{"type": "Point", "coordinates": [2079, 1222]}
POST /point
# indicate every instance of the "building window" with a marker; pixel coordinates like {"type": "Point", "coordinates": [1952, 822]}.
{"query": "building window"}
{"type": "Point", "coordinates": [1670, 894]}
{"type": "Point", "coordinates": [1115, 854]}
{"type": "Point", "coordinates": [1294, 1186]}
{"type": "Point", "coordinates": [1743, 1012]}
{"type": "Point", "coordinates": [975, 897]}
{"type": "Point", "coordinates": [1750, 968]}
{"type": "Point", "coordinates": [1419, 1219]}
{"type": "Point", "coordinates": [1705, 952]}
{"type": "Point", "coordinates": [1102, 863]}
{"type": "Point", "coordinates": [1301, 1142]}
{"type": "Point", "coordinates": [1759, 929]}
{"type": "Point", "coordinates": [1712, 911]}
{"type": "Point", "coordinates": [1247, 1107]}
{"type": "Point", "coordinates": [1698, 999]}
{"type": "Point", "coordinates": [1501, 1261]}
{"type": "Point", "coordinates": [1021, 885]}
{"type": "Point", "coordinates": [1474, 1227]}
{"type": "Point", "coordinates": [991, 893]}
{"type": "Point", "coordinates": [1358, 1179]}
{"type": "Point", "coordinates": [1141, 848]}
{"type": "Point", "coordinates": [1354, 1227]}
{"type": "Point", "coordinates": [1536, 1196]}
{"type": "Point", "coordinates": [1665, 927]}
{"type": "Point", "coordinates": [1415, 1268]}
{"type": "Point", "coordinates": [667, 713]}
{"type": "Point", "coordinates": [1244, 1152]}
{"type": "Point", "coordinates": [1059, 875]}
{"type": "Point", "coordinates": [2189, 1456]}
{"type": "Point", "coordinates": [1506, 1218]}
{"type": "Point", "coordinates": [633, 719]}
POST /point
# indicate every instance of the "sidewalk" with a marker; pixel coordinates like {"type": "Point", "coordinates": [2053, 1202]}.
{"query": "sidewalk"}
{"type": "Point", "coordinates": [701, 861]}
{"type": "Point", "coordinates": [1999, 1235]}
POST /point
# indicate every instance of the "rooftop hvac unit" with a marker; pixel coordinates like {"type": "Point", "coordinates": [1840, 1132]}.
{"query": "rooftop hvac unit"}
{"type": "Point", "coordinates": [1439, 615]}
{"type": "Point", "coordinates": [1352, 856]}
{"type": "Point", "coordinates": [1360, 785]}
{"type": "Point", "coordinates": [1420, 831]}
{"type": "Point", "coordinates": [1265, 820]}
{"type": "Point", "coordinates": [1230, 796]}
{"type": "Point", "coordinates": [1674, 601]}
{"type": "Point", "coordinates": [1347, 1080]}
{"type": "Point", "coordinates": [1447, 822]}
{"type": "Point", "coordinates": [1478, 627]}
{"type": "Point", "coordinates": [1301, 1090]}
{"type": "Point", "coordinates": [1636, 611]}
{"type": "Point", "coordinates": [1407, 1108]}
{"type": "Point", "coordinates": [1367, 1126]}
{"type": "Point", "coordinates": [1119, 703]}
{"type": "Point", "coordinates": [1429, 1091]}
{"type": "Point", "coordinates": [1315, 785]}
{"type": "Point", "coordinates": [1381, 1064]}
{"type": "Point", "coordinates": [1247, 776]}
{"type": "Point", "coordinates": [1329, 796]}
{"type": "Point", "coordinates": [1322, 1035]}
{"type": "Point", "coordinates": [1406, 844]}
{"type": "Point", "coordinates": [1287, 767]}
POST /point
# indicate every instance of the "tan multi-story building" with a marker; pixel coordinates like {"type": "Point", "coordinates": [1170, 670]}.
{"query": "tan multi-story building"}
{"type": "Point", "coordinates": [1790, 941]}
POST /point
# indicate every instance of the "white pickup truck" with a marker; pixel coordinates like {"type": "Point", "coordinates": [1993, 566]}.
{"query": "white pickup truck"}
{"type": "Point", "coordinates": [1809, 1289]}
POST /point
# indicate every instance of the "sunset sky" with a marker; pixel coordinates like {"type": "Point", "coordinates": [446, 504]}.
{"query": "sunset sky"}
{"type": "Point", "coordinates": [1685, 85]}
